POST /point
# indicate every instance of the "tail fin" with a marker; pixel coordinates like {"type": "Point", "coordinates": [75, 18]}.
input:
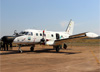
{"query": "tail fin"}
{"type": "Point", "coordinates": [70, 27]}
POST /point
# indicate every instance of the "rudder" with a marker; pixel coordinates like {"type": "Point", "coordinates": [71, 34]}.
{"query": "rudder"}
{"type": "Point", "coordinates": [70, 27]}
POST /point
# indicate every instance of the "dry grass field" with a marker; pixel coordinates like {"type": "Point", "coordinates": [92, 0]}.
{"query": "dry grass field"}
{"type": "Point", "coordinates": [83, 56]}
{"type": "Point", "coordinates": [85, 42]}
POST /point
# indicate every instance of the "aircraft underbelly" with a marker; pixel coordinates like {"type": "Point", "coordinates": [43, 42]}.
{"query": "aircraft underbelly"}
{"type": "Point", "coordinates": [24, 42]}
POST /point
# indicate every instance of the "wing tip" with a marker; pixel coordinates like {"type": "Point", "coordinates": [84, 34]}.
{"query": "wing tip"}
{"type": "Point", "coordinates": [91, 35]}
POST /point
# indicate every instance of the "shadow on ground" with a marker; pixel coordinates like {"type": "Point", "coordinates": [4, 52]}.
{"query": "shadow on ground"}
{"type": "Point", "coordinates": [37, 51]}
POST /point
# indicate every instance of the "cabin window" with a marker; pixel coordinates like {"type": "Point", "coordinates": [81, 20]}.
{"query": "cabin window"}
{"type": "Point", "coordinates": [36, 34]}
{"type": "Point", "coordinates": [40, 34]}
{"type": "Point", "coordinates": [31, 34]}
{"type": "Point", "coordinates": [51, 35]}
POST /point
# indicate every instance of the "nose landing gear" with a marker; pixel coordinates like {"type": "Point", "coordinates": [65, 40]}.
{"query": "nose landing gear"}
{"type": "Point", "coordinates": [20, 51]}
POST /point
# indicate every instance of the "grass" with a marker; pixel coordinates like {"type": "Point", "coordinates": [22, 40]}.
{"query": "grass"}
{"type": "Point", "coordinates": [85, 42]}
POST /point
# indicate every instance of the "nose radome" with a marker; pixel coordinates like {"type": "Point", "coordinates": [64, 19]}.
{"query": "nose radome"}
{"type": "Point", "coordinates": [17, 39]}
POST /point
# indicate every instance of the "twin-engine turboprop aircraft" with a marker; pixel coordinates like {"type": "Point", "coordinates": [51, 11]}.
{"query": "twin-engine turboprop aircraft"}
{"type": "Point", "coordinates": [55, 39]}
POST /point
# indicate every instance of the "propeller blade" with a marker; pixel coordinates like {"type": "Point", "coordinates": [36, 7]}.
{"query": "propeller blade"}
{"type": "Point", "coordinates": [43, 38]}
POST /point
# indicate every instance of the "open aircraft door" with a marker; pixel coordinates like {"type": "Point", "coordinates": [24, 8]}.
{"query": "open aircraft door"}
{"type": "Point", "coordinates": [57, 36]}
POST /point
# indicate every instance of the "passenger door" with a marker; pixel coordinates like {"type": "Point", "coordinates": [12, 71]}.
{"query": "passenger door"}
{"type": "Point", "coordinates": [57, 36]}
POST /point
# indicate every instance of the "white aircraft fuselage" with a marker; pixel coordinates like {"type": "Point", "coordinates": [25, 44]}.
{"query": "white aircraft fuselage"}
{"type": "Point", "coordinates": [31, 36]}
{"type": "Point", "coordinates": [55, 39]}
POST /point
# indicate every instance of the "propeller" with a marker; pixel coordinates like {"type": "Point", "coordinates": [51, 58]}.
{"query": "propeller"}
{"type": "Point", "coordinates": [43, 40]}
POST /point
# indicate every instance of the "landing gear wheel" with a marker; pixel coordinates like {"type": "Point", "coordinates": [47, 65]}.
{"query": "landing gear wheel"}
{"type": "Point", "coordinates": [20, 51]}
{"type": "Point", "coordinates": [32, 49]}
{"type": "Point", "coordinates": [65, 46]}
{"type": "Point", "coordinates": [57, 48]}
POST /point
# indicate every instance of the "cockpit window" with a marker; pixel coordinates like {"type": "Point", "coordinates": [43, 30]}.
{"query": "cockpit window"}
{"type": "Point", "coordinates": [21, 33]}
{"type": "Point", "coordinates": [30, 33]}
{"type": "Point", "coordinates": [26, 33]}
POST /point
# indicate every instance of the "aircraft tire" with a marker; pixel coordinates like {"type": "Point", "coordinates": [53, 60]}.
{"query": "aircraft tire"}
{"type": "Point", "coordinates": [65, 46]}
{"type": "Point", "coordinates": [20, 51]}
{"type": "Point", "coordinates": [57, 48]}
{"type": "Point", "coordinates": [32, 49]}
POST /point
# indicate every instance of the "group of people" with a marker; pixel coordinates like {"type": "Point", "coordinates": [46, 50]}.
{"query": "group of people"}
{"type": "Point", "coordinates": [5, 46]}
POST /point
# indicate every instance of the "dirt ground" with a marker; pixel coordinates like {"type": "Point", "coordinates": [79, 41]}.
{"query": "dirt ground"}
{"type": "Point", "coordinates": [45, 59]}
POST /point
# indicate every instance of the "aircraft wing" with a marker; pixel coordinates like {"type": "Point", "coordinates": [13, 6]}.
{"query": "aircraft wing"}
{"type": "Point", "coordinates": [76, 37]}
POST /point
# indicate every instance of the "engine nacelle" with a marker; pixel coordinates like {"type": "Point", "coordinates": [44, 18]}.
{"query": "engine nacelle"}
{"type": "Point", "coordinates": [49, 43]}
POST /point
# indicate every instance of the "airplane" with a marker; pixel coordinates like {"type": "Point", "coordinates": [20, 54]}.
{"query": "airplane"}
{"type": "Point", "coordinates": [56, 39]}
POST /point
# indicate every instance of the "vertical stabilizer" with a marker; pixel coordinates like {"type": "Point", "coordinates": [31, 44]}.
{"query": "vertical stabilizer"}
{"type": "Point", "coordinates": [70, 27]}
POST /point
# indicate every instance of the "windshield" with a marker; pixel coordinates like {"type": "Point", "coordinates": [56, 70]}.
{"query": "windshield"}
{"type": "Point", "coordinates": [23, 33]}
{"type": "Point", "coordinates": [26, 33]}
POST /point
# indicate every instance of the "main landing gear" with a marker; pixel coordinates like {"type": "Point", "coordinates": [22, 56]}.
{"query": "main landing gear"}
{"type": "Point", "coordinates": [32, 48]}
{"type": "Point", "coordinates": [58, 47]}
{"type": "Point", "coordinates": [65, 46]}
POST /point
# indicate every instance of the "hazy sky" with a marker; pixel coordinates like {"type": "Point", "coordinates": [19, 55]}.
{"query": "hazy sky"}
{"type": "Point", "coordinates": [52, 15]}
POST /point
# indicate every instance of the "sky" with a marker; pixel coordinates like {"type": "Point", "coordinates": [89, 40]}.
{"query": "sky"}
{"type": "Point", "coordinates": [52, 15]}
